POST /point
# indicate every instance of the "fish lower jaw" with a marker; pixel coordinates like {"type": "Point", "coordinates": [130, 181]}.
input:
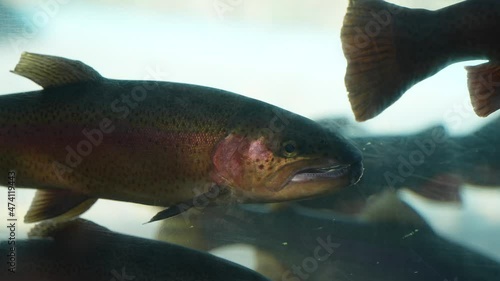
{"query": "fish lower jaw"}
{"type": "Point", "coordinates": [327, 173]}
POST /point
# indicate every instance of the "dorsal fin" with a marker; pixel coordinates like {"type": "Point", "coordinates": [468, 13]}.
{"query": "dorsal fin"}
{"type": "Point", "coordinates": [51, 71]}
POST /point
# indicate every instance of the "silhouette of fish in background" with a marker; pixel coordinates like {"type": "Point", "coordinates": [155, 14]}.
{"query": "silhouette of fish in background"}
{"type": "Point", "coordinates": [430, 163]}
{"type": "Point", "coordinates": [390, 48]}
{"type": "Point", "coordinates": [315, 244]}
{"type": "Point", "coordinates": [370, 216]}
{"type": "Point", "coordinates": [81, 250]}
{"type": "Point", "coordinates": [85, 137]}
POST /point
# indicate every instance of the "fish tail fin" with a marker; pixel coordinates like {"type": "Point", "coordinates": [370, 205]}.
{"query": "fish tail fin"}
{"type": "Point", "coordinates": [484, 87]}
{"type": "Point", "coordinates": [384, 45]}
{"type": "Point", "coordinates": [56, 204]}
{"type": "Point", "coordinates": [442, 188]}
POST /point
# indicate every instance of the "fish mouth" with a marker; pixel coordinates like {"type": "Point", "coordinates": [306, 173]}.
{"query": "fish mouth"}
{"type": "Point", "coordinates": [327, 173]}
{"type": "Point", "coordinates": [308, 181]}
{"type": "Point", "coordinates": [335, 171]}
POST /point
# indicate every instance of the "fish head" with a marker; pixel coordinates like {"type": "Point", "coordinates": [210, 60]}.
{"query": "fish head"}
{"type": "Point", "coordinates": [289, 158]}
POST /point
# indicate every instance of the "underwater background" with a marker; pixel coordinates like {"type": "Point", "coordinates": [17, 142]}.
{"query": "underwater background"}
{"type": "Point", "coordinates": [287, 53]}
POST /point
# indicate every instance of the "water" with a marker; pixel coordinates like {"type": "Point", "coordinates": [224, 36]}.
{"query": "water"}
{"type": "Point", "coordinates": [287, 53]}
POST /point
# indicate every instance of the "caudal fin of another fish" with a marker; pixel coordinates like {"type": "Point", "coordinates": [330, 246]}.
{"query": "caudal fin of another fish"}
{"type": "Point", "coordinates": [442, 188]}
{"type": "Point", "coordinates": [388, 207]}
{"type": "Point", "coordinates": [484, 87]}
{"type": "Point", "coordinates": [58, 205]}
{"type": "Point", "coordinates": [386, 52]}
{"type": "Point", "coordinates": [51, 71]}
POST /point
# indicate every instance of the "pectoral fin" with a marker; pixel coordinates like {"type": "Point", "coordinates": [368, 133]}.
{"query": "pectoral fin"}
{"type": "Point", "coordinates": [170, 212]}
{"type": "Point", "coordinates": [57, 204]}
{"type": "Point", "coordinates": [208, 197]}
{"type": "Point", "coordinates": [175, 210]}
{"type": "Point", "coordinates": [51, 71]}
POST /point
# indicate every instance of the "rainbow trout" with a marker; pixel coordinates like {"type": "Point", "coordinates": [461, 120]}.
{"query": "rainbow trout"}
{"type": "Point", "coordinates": [80, 250]}
{"type": "Point", "coordinates": [391, 48]}
{"type": "Point", "coordinates": [85, 137]}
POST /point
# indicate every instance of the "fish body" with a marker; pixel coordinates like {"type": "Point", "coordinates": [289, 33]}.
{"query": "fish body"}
{"type": "Point", "coordinates": [63, 137]}
{"type": "Point", "coordinates": [158, 143]}
{"type": "Point", "coordinates": [82, 250]}
{"type": "Point", "coordinates": [390, 48]}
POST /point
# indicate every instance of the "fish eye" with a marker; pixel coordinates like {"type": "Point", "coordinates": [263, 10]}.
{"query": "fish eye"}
{"type": "Point", "coordinates": [289, 148]}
